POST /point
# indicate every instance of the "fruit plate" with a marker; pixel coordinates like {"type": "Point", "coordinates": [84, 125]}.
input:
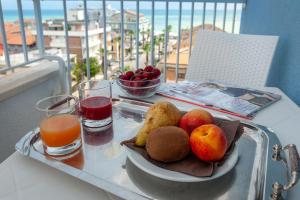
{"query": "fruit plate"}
{"type": "Point", "coordinates": [104, 163]}
{"type": "Point", "coordinates": [159, 172]}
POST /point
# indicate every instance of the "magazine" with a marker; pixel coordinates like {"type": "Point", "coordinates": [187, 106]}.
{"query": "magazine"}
{"type": "Point", "coordinates": [242, 102]}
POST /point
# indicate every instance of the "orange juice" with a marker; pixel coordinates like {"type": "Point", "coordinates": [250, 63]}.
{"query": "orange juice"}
{"type": "Point", "coordinates": [60, 130]}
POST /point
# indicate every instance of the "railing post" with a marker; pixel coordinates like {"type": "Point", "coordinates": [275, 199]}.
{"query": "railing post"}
{"type": "Point", "coordinates": [166, 40]}
{"type": "Point", "coordinates": [178, 41]}
{"type": "Point", "coordinates": [39, 27]}
{"type": "Point", "coordinates": [152, 33]}
{"type": "Point", "coordinates": [104, 40]}
{"type": "Point", "coordinates": [203, 15]}
{"type": "Point", "coordinates": [224, 17]}
{"type": "Point", "coordinates": [215, 15]}
{"type": "Point", "coordinates": [137, 40]}
{"type": "Point", "coordinates": [122, 35]}
{"type": "Point", "coordinates": [192, 28]}
{"type": "Point", "coordinates": [86, 29]}
{"type": "Point", "coordinates": [67, 44]}
{"type": "Point", "coordinates": [23, 34]}
{"type": "Point", "coordinates": [4, 40]}
{"type": "Point", "coordinates": [233, 20]}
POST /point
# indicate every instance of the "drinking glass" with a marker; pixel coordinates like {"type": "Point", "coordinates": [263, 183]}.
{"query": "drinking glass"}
{"type": "Point", "coordinates": [95, 104]}
{"type": "Point", "coordinates": [60, 128]}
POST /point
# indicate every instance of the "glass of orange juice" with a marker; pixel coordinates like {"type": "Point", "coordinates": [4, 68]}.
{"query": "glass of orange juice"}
{"type": "Point", "coordinates": [60, 128]}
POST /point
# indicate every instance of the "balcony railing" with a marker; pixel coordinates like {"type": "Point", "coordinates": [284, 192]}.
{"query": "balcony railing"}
{"type": "Point", "coordinates": [217, 6]}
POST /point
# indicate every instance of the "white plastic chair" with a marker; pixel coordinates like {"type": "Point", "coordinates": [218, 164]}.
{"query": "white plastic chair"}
{"type": "Point", "coordinates": [243, 60]}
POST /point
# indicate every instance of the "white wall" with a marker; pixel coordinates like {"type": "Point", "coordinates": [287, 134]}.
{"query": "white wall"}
{"type": "Point", "coordinates": [17, 103]}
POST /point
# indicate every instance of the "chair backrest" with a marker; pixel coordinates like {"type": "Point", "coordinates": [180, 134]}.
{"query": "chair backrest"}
{"type": "Point", "coordinates": [243, 60]}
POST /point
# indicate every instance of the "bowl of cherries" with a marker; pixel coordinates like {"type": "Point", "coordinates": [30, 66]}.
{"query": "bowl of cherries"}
{"type": "Point", "coordinates": [142, 83]}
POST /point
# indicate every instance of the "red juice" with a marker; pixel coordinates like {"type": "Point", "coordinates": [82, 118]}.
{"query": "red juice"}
{"type": "Point", "coordinates": [96, 108]}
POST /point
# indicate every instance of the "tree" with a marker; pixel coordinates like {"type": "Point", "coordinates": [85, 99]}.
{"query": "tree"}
{"type": "Point", "coordinates": [147, 49]}
{"type": "Point", "coordinates": [169, 29]}
{"type": "Point", "coordinates": [80, 69]}
{"type": "Point", "coordinates": [131, 34]}
{"type": "Point", "coordinates": [161, 43]}
{"type": "Point", "coordinates": [94, 66]}
{"type": "Point", "coordinates": [101, 54]}
{"type": "Point", "coordinates": [148, 33]}
{"type": "Point", "coordinates": [127, 68]}
{"type": "Point", "coordinates": [118, 40]}
{"type": "Point", "coordinates": [158, 40]}
{"type": "Point", "coordinates": [78, 72]}
{"type": "Point", "coordinates": [156, 43]}
{"type": "Point", "coordinates": [143, 32]}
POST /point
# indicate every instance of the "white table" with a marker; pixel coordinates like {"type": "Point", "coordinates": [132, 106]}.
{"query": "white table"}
{"type": "Point", "coordinates": [24, 178]}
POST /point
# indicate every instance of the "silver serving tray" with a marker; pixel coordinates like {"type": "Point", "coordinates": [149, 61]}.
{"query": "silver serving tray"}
{"type": "Point", "coordinates": [103, 162]}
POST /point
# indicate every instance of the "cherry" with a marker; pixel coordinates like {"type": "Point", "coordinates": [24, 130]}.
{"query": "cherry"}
{"type": "Point", "coordinates": [148, 68]}
{"type": "Point", "coordinates": [123, 77]}
{"type": "Point", "coordinates": [147, 76]}
{"type": "Point", "coordinates": [129, 74]}
{"type": "Point", "coordinates": [138, 71]}
{"type": "Point", "coordinates": [139, 77]}
{"type": "Point", "coordinates": [156, 72]}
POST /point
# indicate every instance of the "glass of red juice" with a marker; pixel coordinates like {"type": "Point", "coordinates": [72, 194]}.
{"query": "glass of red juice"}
{"type": "Point", "coordinates": [95, 105]}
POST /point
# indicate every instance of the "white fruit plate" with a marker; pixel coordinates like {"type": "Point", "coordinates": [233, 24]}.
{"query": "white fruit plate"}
{"type": "Point", "coordinates": [159, 172]}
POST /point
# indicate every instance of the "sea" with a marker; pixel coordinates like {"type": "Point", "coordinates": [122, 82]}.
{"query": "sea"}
{"type": "Point", "coordinates": [160, 16]}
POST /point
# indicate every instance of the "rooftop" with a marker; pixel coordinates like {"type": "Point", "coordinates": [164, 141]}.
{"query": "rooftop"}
{"type": "Point", "coordinates": [13, 36]}
{"type": "Point", "coordinates": [129, 12]}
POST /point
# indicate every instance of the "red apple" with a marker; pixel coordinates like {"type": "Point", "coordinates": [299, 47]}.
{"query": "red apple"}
{"type": "Point", "coordinates": [194, 119]}
{"type": "Point", "coordinates": [208, 142]}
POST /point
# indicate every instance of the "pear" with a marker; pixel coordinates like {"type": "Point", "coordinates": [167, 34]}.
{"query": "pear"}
{"type": "Point", "coordinates": [159, 114]}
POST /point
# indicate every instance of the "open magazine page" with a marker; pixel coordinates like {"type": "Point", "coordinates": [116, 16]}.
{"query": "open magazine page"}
{"type": "Point", "coordinates": [245, 102]}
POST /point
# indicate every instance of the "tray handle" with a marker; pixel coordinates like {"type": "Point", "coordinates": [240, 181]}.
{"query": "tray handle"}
{"type": "Point", "coordinates": [294, 169]}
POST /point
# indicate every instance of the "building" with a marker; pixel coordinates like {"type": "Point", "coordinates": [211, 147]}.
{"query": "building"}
{"type": "Point", "coordinates": [115, 48]}
{"type": "Point", "coordinates": [129, 21]}
{"type": "Point", "coordinates": [114, 21]}
{"type": "Point", "coordinates": [54, 35]}
{"type": "Point", "coordinates": [14, 39]}
{"type": "Point", "coordinates": [77, 14]}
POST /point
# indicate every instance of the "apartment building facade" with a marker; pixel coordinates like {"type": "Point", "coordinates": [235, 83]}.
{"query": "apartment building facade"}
{"type": "Point", "coordinates": [54, 35]}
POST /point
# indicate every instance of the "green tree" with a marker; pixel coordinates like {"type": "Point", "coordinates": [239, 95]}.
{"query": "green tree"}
{"type": "Point", "coordinates": [78, 72]}
{"type": "Point", "coordinates": [101, 54]}
{"type": "Point", "coordinates": [158, 40]}
{"type": "Point", "coordinates": [127, 68]}
{"type": "Point", "coordinates": [143, 32]}
{"type": "Point", "coordinates": [94, 66]}
{"type": "Point", "coordinates": [131, 34]}
{"type": "Point", "coordinates": [80, 69]}
{"type": "Point", "coordinates": [118, 40]}
{"type": "Point", "coordinates": [147, 49]}
{"type": "Point", "coordinates": [148, 31]}
{"type": "Point", "coordinates": [169, 29]}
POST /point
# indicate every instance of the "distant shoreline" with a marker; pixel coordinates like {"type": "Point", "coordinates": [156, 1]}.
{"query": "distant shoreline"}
{"type": "Point", "coordinates": [11, 15]}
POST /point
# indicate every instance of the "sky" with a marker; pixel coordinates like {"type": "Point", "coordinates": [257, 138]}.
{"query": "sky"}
{"type": "Point", "coordinates": [57, 4]}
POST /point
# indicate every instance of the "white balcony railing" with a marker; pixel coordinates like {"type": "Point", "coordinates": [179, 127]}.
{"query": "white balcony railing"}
{"type": "Point", "coordinates": [40, 32]}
